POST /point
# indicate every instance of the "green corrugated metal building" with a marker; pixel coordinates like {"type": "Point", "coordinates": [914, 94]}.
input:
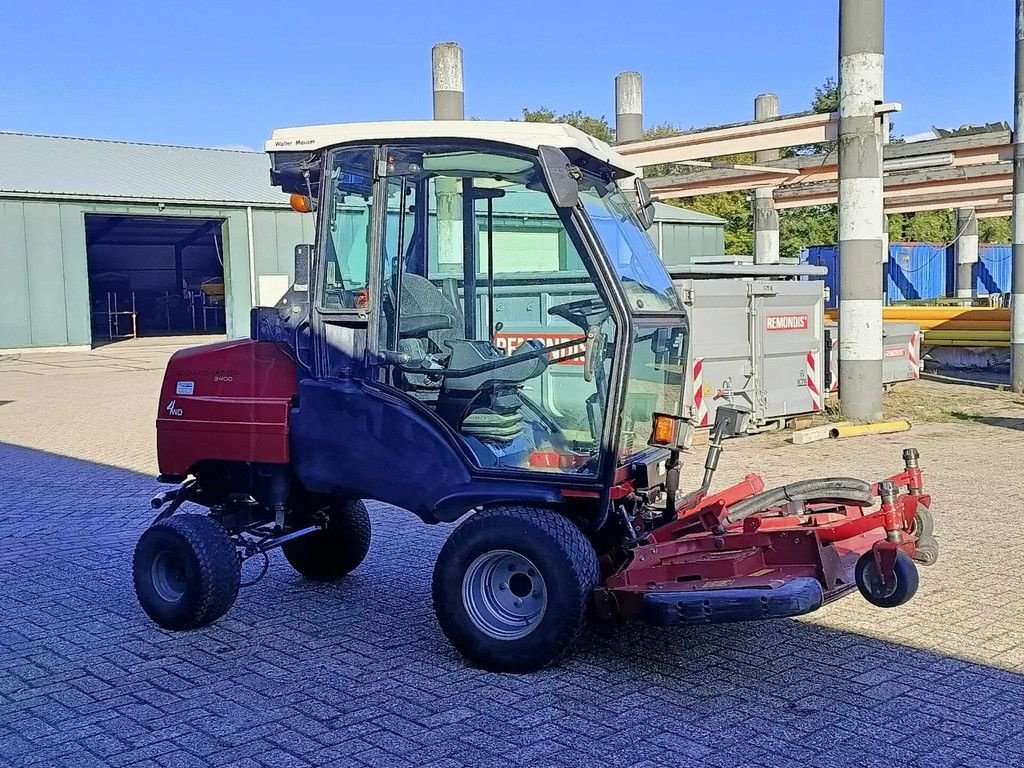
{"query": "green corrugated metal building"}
{"type": "Point", "coordinates": [186, 240]}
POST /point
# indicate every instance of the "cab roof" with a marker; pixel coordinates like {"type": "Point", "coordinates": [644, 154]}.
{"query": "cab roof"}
{"type": "Point", "coordinates": [519, 134]}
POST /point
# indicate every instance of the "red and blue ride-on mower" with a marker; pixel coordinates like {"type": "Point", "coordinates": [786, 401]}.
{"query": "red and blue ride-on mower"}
{"type": "Point", "coordinates": [483, 330]}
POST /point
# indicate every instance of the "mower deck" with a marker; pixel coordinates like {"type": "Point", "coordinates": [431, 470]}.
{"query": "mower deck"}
{"type": "Point", "coordinates": [778, 559]}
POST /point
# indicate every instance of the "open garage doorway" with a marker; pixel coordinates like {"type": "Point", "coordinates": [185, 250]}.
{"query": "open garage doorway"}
{"type": "Point", "coordinates": [154, 276]}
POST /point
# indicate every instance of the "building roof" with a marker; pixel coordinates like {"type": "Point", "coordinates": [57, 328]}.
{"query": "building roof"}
{"type": "Point", "coordinates": [519, 134]}
{"type": "Point", "coordinates": [96, 169]}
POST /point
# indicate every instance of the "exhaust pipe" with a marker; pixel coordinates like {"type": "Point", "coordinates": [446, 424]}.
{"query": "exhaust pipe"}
{"type": "Point", "coordinates": [164, 497]}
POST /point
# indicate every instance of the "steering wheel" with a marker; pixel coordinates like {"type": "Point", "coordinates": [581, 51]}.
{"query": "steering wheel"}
{"type": "Point", "coordinates": [584, 313]}
{"type": "Point", "coordinates": [587, 314]}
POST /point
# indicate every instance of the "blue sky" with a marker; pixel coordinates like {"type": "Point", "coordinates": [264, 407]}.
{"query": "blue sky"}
{"type": "Point", "coordinates": [227, 73]}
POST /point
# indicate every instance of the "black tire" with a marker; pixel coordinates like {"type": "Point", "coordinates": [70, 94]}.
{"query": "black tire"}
{"type": "Point", "coordinates": [927, 551]}
{"type": "Point", "coordinates": [186, 572]}
{"type": "Point", "coordinates": [337, 549]}
{"type": "Point", "coordinates": [561, 570]}
{"type": "Point", "coordinates": [892, 593]}
{"type": "Point", "coordinates": [924, 524]}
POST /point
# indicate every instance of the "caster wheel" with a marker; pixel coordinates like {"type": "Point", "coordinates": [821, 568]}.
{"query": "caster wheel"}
{"type": "Point", "coordinates": [896, 591]}
{"type": "Point", "coordinates": [927, 552]}
{"type": "Point", "coordinates": [924, 524]}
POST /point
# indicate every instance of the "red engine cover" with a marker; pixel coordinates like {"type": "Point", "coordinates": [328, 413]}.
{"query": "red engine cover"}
{"type": "Point", "coordinates": [227, 401]}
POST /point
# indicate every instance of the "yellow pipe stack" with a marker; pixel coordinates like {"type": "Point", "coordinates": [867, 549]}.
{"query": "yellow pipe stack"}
{"type": "Point", "coordinates": [952, 326]}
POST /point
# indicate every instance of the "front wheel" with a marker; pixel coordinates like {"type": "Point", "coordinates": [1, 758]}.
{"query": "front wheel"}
{"type": "Point", "coordinates": [186, 572]}
{"type": "Point", "coordinates": [335, 550]}
{"type": "Point", "coordinates": [512, 587]}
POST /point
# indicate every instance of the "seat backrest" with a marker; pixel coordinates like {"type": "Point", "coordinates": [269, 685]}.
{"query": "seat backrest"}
{"type": "Point", "coordinates": [420, 296]}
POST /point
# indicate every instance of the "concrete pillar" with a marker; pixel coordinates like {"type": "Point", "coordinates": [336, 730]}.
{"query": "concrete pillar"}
{"type": "Point", "coordinates": [766, 227]}
{"type": "Point", "coordinates": [629, 107]}
{"type": "Point", "coordinates": [449, 97]}
{"type": "Point", "coordinates": [766, 218]}
{"type": "Point", "coordinates": [449, 104]}
{"type": "Point", "coordinates": [1017, 268]}
{"type": "Point", "coordinates": [766, 106]}
{"type": "Point", "coordinates": [861, 67]}
{"type": "Point", "coordinates": [965, 227]}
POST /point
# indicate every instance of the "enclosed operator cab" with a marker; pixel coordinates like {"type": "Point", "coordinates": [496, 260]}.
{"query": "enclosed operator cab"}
{"type": "Point", "coordinates": [485, 315]}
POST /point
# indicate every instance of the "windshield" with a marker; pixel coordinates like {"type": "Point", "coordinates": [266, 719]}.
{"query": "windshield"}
{"type": "Point", "coordinates": [632, 254]}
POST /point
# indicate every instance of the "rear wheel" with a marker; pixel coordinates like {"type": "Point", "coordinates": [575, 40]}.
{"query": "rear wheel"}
{"type": "Point", "coordinates": [186, 572]}
{"type": "Point", "coordinates": [512, 587]}
{"type": "Point", "coordinates": [335, 550]}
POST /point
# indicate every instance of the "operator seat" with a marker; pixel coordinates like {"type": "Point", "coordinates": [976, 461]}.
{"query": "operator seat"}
{"type": "Point", "coordinates": [421, 298]}
{"type": "Point", "coordinates": [489, 412]}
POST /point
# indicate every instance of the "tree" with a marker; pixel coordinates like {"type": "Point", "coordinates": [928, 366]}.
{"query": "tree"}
{"type": "Point", "coordinates": [994, 230]}
{"type": "Point", "coordinates": [597, 127]}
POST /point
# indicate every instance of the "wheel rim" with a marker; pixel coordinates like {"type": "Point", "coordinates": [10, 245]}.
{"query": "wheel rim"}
{"type": "Point", "coordinates": [168, 575]}
{"type": "Point", "coordinates": [504, 594]}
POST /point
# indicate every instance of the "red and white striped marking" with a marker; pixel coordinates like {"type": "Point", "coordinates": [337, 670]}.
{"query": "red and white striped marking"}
{"type": "Point", "coordinates": [700, 407]}
{"type": "Point", "coordinates": [914, 355]}
{"type": "Point", "coordinates": [833, 363]}
{"type": "Point", "coordinates": [812, 385]}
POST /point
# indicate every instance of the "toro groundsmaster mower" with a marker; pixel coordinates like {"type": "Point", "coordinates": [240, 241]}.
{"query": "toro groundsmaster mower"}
{"type": "Point", "coordinates": [483, 330]}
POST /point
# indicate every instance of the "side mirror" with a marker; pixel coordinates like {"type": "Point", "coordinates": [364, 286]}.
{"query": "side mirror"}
{"type": "Point", "coordinates": [563, 184]}
{"type": "Point", "coordinates": [730, 420]}
{"type": "Point", "coordinates": [644, 203]}
{"type": "Point", "coordinates": [303, 266]}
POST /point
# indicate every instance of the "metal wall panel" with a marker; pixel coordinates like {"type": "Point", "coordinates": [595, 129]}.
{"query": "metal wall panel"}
{"type": "Point", "coordinates": [45, 274]}
{"type": "Point", "coordinates": [15, 320]}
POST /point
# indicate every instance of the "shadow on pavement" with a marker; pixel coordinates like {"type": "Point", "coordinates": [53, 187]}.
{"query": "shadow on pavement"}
{"type": "Point", "coordinates": [357, 673]}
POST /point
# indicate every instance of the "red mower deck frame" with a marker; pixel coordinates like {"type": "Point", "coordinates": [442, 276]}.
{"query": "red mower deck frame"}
{"type": "Point", "coordinates": [784, 560]}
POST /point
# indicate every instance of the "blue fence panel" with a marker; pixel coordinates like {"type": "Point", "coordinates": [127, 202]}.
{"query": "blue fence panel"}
{"type": "Point", "coordinates": [992, 274]}
{"type": "Point", "coordinates": [918, 271]}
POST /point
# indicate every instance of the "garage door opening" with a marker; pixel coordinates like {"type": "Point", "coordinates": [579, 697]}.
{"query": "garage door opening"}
{"type": "Point", "coordinates": [154, 276]}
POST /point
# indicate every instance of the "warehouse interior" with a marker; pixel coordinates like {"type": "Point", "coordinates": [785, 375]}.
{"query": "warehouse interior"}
{"type": "Point", "coordinates": [154, 275]}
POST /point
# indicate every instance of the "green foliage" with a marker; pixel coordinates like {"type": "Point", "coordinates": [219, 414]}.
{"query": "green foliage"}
{"type": "Point", "coordinates": [597, 127]}
{"type": "Point", "coordinates": [803, 227]}
{"type": "Point", "coordinates": [995, 230]}
{"type": "Point", "coordinates": [826, 96]}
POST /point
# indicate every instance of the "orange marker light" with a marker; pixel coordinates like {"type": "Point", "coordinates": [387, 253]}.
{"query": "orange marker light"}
{"type": "Point", "coordinates": [664, 430]}
{"type": "Point", "coordinates": [301, 204]}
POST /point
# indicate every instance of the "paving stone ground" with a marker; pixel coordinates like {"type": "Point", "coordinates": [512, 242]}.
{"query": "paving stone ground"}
{"type": "Point", "coordinates": [357, 673]}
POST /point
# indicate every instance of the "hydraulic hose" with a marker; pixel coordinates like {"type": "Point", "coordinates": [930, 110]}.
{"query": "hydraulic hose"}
{"type": "Point", "coordinates": [841, 490]}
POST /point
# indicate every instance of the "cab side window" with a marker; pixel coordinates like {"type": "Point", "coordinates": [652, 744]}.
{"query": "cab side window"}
{"type": "Point", "coordinates": [347, 193]}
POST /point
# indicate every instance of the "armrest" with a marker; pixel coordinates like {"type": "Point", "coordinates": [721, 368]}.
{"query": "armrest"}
{"type": "Point", "coordinates": [419, 325]}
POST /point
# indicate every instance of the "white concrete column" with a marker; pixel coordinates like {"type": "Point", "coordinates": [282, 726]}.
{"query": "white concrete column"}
{"type": "Point", "coordinates": [629, 107]}
{"type": "Point", "coordinates": [449, 97]}
{"type": "Point", "coordinates": [861, 68]}
{"type": "Point", "coordinates": [966, 248]}
{"type": "Point", "coordinates": [766, 227]}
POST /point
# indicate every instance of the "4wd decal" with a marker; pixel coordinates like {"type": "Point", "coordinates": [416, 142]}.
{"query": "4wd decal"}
{"type": "Point", "coordinates": [787, 322]}
{"type": "Point", "coordinates": [173, 409]}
